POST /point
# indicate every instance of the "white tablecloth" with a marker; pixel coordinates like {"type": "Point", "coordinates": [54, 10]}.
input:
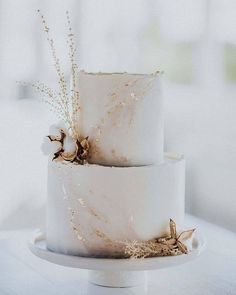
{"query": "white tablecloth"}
{"type": "Point", "coordinates": [213, 273]}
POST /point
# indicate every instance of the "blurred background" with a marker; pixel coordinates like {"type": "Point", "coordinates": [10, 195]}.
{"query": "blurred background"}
{"type": "Point", "coordinates": [192, 41]}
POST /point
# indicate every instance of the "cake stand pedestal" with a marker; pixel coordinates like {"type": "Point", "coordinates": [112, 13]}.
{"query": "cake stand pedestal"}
{"type": "Point", "coordinates": [114, 272]}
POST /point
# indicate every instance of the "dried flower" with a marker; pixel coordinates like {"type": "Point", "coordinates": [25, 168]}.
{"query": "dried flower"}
{"type": "Point", "coordinates": [69, 145]}
{"type": "Point", "coordinates": [55, 129]}
{"type": "Point", "coordinates": [173, 244]}
{"type": "Point", "coordinates": [49, 147]}
{"type": "Point", "coordinates": [65, 146]}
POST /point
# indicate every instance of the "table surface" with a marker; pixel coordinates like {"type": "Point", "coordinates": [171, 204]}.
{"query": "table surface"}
{"type": "Point", "coordinates": [214, 272]}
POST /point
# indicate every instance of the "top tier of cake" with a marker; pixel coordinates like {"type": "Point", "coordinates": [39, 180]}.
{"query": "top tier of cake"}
{"type": "Point", "coordinates": [123, 116]}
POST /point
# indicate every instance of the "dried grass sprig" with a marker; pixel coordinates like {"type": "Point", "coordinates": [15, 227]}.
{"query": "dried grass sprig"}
{"type": "Point", "coordinates": [51, 97]}
{"type": "Point", "coordinates": [74, 70]}
{"type": "Point", "coordinates": [64, 102]}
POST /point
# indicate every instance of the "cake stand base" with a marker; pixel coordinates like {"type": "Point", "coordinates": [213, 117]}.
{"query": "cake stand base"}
{"type": "Point", "coordinates": [119, 279]}
{"type": "Point", "coordinates": [114, 272]}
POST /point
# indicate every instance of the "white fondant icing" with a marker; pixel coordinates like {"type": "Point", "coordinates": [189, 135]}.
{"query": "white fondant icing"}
{"type": "Point", "coordinates": [123, 116]}
{"type": "Point", "coordinates": [116, 203]}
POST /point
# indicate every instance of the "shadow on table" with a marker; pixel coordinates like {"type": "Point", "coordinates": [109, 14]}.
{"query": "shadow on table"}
{"type": "Point", "coordinates": [98, 290]}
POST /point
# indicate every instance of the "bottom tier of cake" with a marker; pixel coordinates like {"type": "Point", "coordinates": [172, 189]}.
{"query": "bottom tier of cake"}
{"type": "Point", "coordinates": [92, 209]}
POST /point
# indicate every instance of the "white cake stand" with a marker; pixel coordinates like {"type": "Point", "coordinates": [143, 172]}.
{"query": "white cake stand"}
{"type": "Point", "coordinates": [114, 272]}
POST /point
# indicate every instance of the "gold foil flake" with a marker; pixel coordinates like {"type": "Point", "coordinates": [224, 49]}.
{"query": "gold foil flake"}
{"type": "Point", "coordinates": [77, 233]}
{"type": "Point", "coordinates": [114, 96]}
{"type": "Point", "coordinates": [97, 215]}
{"type": "Point", "coordinates": [91, 210]}
{"type": "Point", "coordinates": [79, 237]}
{"type": "Point", "coordinates": [100, 234]}
{"type": "Point", "coordinates": [82, 202]}
{"type": "Point", "coordinates": [132, 94]}
{"type": "Point", "coordinates": [65, 197]}
{"type": "Point", "coordinates": [124, 159]}
{"type": "Point", "coordinates": [74, 227]}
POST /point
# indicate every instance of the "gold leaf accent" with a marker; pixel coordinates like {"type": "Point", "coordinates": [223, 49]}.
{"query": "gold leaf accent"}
{"type": "Point", "coordinates": [82, 202]}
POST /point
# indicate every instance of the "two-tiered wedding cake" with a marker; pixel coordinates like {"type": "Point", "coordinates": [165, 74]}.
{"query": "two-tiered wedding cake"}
{"type": "Point", "coordinates": [115, 185]}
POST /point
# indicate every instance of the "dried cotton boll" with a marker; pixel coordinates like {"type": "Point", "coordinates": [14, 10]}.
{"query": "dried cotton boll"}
{"type": "Point", "coordinates": [70, 149]}
{"type": "Point", "coordinates": [55, 129]}
{"type": "Point", "coordinates": [69, 145]}
{"type": "Point", "coordinates": [53, 143]}
{"type": "Point", "coordinates": [62, 145]}
{"type": "Point", "coordinates": [49, 147]}
{"type": "Point", "coordinates": [68, 156]}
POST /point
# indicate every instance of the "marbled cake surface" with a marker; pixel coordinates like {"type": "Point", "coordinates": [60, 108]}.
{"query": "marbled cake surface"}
{"type": "Point", "coordinates": [91, 207]}
{"type": "Point", "coordinates": [123, 116]}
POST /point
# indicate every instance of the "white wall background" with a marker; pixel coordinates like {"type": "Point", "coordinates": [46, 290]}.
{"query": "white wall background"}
{"type": "Point", "coordinates": [193, 41]}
